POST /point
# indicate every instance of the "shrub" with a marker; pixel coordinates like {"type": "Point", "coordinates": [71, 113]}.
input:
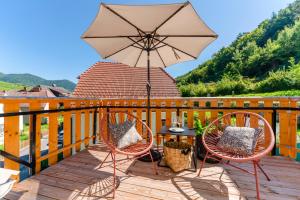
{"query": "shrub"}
{"type": "Point", "coordinates": [193, 90]}
{"type": "Point", "coordinates": [237, 85]}
{"type": "Point", "coordinates": [279, 80]}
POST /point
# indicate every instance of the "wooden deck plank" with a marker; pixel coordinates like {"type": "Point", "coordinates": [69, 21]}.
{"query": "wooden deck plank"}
{"type": "Point", "coordinates": [78, 177]}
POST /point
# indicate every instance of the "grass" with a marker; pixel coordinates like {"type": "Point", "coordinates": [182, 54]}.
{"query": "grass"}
{"type": "Point", "coordinates": [25, 133]}
{"type": "Point", "coordinates": [269, 94]}
{"type": "Point", "coordinates": [44, 127]}
{"type": "Point", "coordinates": [10, 86]}
{"type": "Point", "coordinates": [1, 146]}
{"type": "Point", "coordinates": [24, 137]}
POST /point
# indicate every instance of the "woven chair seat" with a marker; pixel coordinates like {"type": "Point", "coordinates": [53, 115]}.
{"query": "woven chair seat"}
{"type": "Point", "coordinates": [139, 147]}
{"type": "Point", "coordinates": [214, 131]}
{"type": "Point", "coordinates": [212, 140]}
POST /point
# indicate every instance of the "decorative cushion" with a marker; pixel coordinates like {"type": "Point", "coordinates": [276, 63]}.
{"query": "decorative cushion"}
{"type": "Point", "coordinates": [124, 134]}
{"type": "Point", "coordinates": [239, 140]}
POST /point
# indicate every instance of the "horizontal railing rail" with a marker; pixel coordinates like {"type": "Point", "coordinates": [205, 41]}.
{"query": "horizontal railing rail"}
{"type": "Point", "coordinates": [81, 121]}
{"type": "Point", "coordinates": [143, 107]}
{"type": "Point", "coordinates": [16, 159]}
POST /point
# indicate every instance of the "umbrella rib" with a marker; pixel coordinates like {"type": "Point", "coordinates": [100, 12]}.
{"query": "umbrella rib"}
{"type": "Point", "coordinates": [160, 58]}
{"type": "Point", "coordinates": [152, 40]}
{"type": "Point", "coordinates": [138, 58]}
{"type": "Point", "coordinates": [121, 50]}
{"type": "Point", "coordinates": [214, 36]}
{"type": "Point", "coordinates": [135, 42]}
{"type": "Point", "coordinates": [177, 49]}
{"type": "Point", "coordinates": [137, 47]}
{"type": "Point", "coordinates": [113, 36]}
{"type": "Point", "coordinates": [179, 9]}
{"type": "Point", "coordinates": [126, 36]}
{"type": "Point", "coordinates": [158, 43]}
{"type": "Point", "coordinates": [142, 37]}
{"type": "Point", "coordinates": [161, 46]}
{"type": "Point", "coordinates": [111, 10]}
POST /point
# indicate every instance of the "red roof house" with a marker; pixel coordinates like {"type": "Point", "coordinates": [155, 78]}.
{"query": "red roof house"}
{"type": "Point", "coordinates": [39, 91]}
{"type": "Point", "coordinates": [116, 80]}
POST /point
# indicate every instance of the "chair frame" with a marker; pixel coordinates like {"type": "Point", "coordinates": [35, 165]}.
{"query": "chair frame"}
{"type": "Point", "coordinates": [113, 150]}
{"type": "Point", "coordinates": [6, 182]}
{"type": "Point", "coordinates": [255, 158]}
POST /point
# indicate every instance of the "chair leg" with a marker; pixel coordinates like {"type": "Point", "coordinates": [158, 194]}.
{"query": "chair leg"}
{"type": "Point", "coordinates": [154, 165]}
{"type": "Point", "coordinates": [114, 182]}
{"type": "Point", "coordinates": [262, 170]}
{"type": "Point", "coordinates": [202, 164]}
{"type": "Point", "coordinates": [104, 159]}
{"type": "Point", "coordinates": [256, 180]}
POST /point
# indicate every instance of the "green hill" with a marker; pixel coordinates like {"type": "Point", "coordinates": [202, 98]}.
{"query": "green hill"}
{"type": "Point", "coordinates": [32, 80]}
{"type": "Point", "coordinates": [10, 86]}
{"type": "Point", "coordinates": [266, 59]}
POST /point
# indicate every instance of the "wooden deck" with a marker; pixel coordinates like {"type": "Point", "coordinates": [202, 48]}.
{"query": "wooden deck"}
{"type": "Point", "coordinates": [77, 177]}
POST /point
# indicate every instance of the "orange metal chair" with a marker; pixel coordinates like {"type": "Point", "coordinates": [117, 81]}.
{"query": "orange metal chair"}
{"type": "Point", "coordinates": [134, 151]}
{"type": "Point", "coordinates": [265, 142]}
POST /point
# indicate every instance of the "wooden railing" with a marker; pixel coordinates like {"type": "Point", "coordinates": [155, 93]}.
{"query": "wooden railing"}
{"type": "Point", "coordinates": [81, 121]}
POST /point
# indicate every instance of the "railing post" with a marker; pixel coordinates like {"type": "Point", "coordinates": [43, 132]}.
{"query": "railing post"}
{"type": "Point", "coordinates": [94, 126]}
{"type": "Point", "coordinates": [86, 127]}
{"type": "Point", "coordinates": [274, 114]}
{"type": "Point", "coordinates": [293, 130]}
{"type": "Point", "coordinates": [67, 131]}
{"type": "Point", "coordinates": [35, 137]}
{"type": "Point", "coordinates": [32, 146]}
{"type": "Point", "coordinates": [11, 136]}
{"type": "Point", "coordinates": [53, 133]}
{"type": "Point", "coordinates": [177, 113]}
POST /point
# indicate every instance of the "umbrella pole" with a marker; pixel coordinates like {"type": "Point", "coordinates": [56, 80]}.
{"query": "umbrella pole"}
{"type": "Point", "coordinates": [148, 88]}
{"type": "Point", "coordinates": [148, 80]}
{"type": "Point", "coordinates": [155, 154]}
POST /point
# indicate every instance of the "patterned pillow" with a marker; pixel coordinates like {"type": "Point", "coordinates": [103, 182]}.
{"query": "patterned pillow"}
{"type": "Point", "coordinates": [239, 140]}
{"type": "Point", "coordinates": [124, 134]}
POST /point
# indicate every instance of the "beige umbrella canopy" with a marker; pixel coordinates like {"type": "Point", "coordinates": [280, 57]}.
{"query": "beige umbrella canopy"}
{"type": "Point", "coordinates": [164, 34]}
{"type": "Point", "coordinates": [169, 33]}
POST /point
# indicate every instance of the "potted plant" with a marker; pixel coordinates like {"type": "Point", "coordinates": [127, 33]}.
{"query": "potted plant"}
{"type": "Point", "coordinates": [200, 149]}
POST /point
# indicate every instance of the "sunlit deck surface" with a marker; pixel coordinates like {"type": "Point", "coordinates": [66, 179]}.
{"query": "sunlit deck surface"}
{"type": "Point", "coordinates": [77, 177]}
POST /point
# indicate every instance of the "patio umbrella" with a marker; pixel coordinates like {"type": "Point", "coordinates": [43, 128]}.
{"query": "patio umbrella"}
{"type": "Point", "coordinates": [149, 35]}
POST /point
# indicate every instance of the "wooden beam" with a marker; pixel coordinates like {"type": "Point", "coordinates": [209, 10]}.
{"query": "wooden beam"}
{"type": "Point", "coordinates": [11, 137]}
{"type": "Point", "coordinates": [53, 132]}
{"type": "Point", "coordinates": [284, 129]}
{"type": "Point", "coordinates": [67, 129]}
{"type": "Point", "coordinates": [34, 106]}
{"type": "Point", "coordinates": [78, 128]}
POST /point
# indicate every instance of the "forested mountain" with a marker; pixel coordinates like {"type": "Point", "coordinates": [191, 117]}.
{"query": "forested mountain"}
{"type": "Point", "coordinates": [32, 80]}
{"type": "Point", "coordinates": [264, 60]}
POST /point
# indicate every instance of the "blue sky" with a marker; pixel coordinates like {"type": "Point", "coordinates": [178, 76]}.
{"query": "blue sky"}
{"type": "Point", "coordinates": [43, 37]}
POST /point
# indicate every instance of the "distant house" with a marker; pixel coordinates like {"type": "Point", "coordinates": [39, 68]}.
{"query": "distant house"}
{"type": "Point", "coordinates": [115, 80]}
{"type": "Point", "coordinates": [39, 91]}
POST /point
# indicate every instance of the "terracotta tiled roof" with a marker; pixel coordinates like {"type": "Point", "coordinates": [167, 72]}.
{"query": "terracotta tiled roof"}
{"type": "Point", "coordinates": [115, 80]}
{"type": "Point", "coordinates": [57, 91]}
